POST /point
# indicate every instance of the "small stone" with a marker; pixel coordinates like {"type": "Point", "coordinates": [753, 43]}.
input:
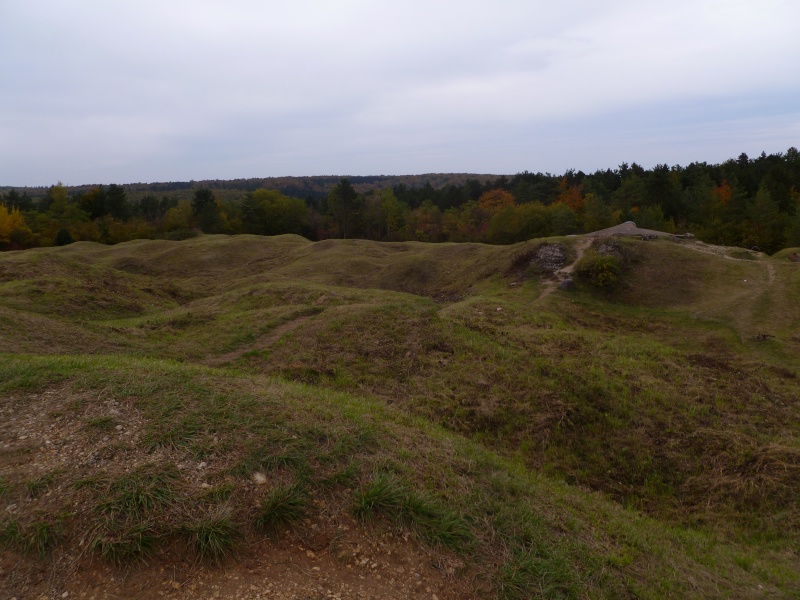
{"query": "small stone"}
{"type": "Point", "coordinates": [202, 465]}
{"type": "Point", "coordinates": [259, 478]}
{"type": "Point", "coordinates": [65, 595]}
{"type": "Point", "coordinates": [205, 485]}
{"type": "Point", "coordinates": [567, 284]}
{"type": "Point", "coordinates": [118, 428]}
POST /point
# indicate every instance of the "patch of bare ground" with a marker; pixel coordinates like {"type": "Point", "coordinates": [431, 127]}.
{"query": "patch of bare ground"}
{"type": "Point", "coordinates": [373, 564]}
{"type": "Point", "coordinates": [552, 283]}
{"type": "Point", "coordinates": [55, 438]}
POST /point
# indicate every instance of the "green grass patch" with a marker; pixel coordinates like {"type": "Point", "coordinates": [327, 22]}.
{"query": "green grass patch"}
{"type": "Point", "coordinates": [140, 492]}
{"type": "Point", "coordinates": [437, 525]}
{"type": "Point", "coordinates": [283, 506]}
{"type": "Point", "coordinates": [35, 487]}
{"type": "Point", "coordinates": [123, 543]}
{"type": "Point", "coordinates": [214, 535]}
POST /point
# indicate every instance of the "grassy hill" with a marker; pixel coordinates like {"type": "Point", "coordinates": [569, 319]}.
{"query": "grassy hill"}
{"type": "Point", "coordinates": [635, 441]}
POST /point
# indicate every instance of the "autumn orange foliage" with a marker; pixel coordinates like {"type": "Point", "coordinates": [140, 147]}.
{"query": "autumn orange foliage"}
{"type": "Point", "coordinates": [571, 195]}
{"type": "Point", "coordinates": [494, 201]}
{"type": "Point", "coordinates": [724, 192]}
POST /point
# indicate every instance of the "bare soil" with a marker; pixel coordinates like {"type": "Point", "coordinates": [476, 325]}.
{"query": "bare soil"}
{"type": "Point", "coordinates": [331, 556]}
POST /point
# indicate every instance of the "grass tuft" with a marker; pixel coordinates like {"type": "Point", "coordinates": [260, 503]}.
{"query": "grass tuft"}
{"type": "Point", "coordinates": [537, 574]}
{"type": "Point", "coordinates": [10, 533]}
{"type": "Point", "coordinates": [213, 535]}
{"type": "Point", "coordinates": [36, 486]}
{"type": "Point", "coordinates": [121, 545]}
{"type": "Point", "coordinates": [284, 505]}
{"type": "Point", "coordinates": [345, 476]}
{"type": "Point", "coordinates": [383, 495]}
{"type": "Point", "coordinates": [101, 423]}
{"type": "Point", "coordinates": [434, 523]}
{"type": "Point", "coordinates": [140, 492]}
{"type": "Point", "coordinates": [217, 494]}
{"type": "Point", "coordinates": [40, 536]}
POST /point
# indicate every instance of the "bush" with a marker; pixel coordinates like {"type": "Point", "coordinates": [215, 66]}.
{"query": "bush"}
{"type": "Point", "coordinates": [63, 237]}
{"type": "Point", "coordinates": [599, 270]}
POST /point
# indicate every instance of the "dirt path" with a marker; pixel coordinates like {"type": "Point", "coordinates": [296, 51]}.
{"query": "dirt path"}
{"type": "Point", "coordinates": [750, 319]}
{"type": "Point", "coordinates": [770, 272]}
{"type": "Point", "coordinates": [550, 285]}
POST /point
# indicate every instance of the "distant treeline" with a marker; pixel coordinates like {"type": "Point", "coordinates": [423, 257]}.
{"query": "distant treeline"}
{"type": "Point", "coordinates": [742, 202]}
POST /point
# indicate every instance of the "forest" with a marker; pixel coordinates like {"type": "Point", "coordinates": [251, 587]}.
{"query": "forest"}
{"type": "Point", "coordinates": [753, 203]}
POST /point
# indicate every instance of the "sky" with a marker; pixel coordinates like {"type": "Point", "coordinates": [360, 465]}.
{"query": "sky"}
{"type": "Point", "coordinates": [104, 91]}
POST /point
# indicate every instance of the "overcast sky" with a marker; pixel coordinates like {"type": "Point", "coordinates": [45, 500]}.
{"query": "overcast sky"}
{"type": "Point", "coordinates": [102, 91]}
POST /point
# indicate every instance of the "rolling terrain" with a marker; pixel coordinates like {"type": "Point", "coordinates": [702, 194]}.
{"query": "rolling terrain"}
{"type": "Point", "coordinates": [183, 414]}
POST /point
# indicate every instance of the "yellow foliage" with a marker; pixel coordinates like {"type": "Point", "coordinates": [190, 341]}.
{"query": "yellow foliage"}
{"type": "Point", "coordinates": [12, 225]}
{"type": "Point", "coordinates": [494, 201]}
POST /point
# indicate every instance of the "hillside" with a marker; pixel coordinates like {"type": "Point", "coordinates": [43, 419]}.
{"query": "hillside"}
{"type": "Point", "coordinates": [282, 418]}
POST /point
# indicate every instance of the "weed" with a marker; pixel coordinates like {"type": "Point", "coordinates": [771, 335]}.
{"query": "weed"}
{"type": "Point", "coordinates": [283, 506]}
{"type": "Point", "coordinates": [290, 458]}
{"type": "Point", "coordinates": [383, 495]}
{"type": "Point", "coordinates": [5, 487]}
{"type": "Point", "coordinates": [344, 476]}
{"type": "Point", "coordinates": [220, 493]}
{"type": "Point", "coordinates": [92, 482]}
{"type": "Point", "coordinates": [36, 486]}
{"type": "Point", "coordinates": [40, 536]}
{"type": "Point", "coordinates": [540, 573]}
{"type": "Point", "coordinates": [434, 523]}
{"type": "Point", "coordinates": [101, 423]}
{"type": "Point", "coordinates": [139, 492]}
{"type": "Point", "coordinates": [213, 535]}
{"type": "Point", "coordinates": [10, 533]}
{"type": "Point", "coordinates": [121, 544]}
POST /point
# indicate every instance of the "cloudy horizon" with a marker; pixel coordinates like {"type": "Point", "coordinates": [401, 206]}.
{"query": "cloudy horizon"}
{"type": "Point", "coordinates": [97, 92]}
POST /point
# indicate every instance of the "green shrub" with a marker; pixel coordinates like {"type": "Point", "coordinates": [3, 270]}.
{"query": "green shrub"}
{"type": "Point", "coordinates": [602, 271]}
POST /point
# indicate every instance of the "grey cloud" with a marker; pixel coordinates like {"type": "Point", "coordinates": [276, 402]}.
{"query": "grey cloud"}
{"type": "Point", "coordinates": [98, 91]}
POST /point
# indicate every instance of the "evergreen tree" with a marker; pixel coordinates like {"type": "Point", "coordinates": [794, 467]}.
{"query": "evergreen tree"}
{"type": "Point", "coordinates": [343, 206]}
{"type": "Point", "coordinates": [206, 211]}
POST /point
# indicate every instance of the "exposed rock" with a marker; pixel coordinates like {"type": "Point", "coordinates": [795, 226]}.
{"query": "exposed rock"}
{"type": "Point", "coordinates": [567, 285]}
{"type": "Point", "coordinates": [609, 248]}
{"type": "Point", "coordinates": [549, 258]}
